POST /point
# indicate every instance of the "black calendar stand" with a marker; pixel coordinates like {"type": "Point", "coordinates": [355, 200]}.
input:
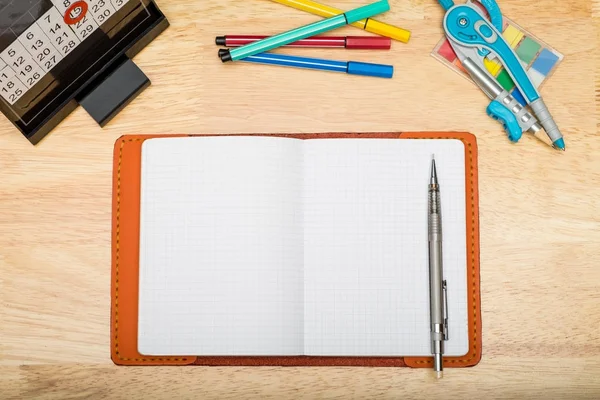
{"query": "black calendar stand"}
{"type": "Point", "coordinates": [58, 54]}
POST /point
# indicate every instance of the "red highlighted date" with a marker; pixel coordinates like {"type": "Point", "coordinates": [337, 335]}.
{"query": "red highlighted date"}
{"type": "Point", "coordinates": [76, 12]}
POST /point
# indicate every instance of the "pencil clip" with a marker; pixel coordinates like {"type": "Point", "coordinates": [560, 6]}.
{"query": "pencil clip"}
{"type": "Point", "coordinates": [445, 300]}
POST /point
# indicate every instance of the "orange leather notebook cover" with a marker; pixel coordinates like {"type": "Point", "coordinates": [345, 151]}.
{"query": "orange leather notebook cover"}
{"type": "Point", "coordinates": [125, 265]}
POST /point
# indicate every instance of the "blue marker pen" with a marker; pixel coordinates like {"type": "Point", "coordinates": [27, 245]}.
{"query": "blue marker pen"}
{"type": "Point", "coordinates": [348, 67]}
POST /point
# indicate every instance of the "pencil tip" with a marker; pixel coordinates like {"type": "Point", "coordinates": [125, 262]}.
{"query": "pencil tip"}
{"type": "Point", "coordinates": [434, 178]}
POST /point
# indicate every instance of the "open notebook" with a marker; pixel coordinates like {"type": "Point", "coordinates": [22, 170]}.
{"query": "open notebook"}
{"type": "Point", "coordinates": [279, 246]}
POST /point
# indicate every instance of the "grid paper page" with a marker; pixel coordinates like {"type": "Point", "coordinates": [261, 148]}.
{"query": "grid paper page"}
{"type": "Point", "coordinates": [366, 246]}
{"type": "Point", "coordinates": [221, 247]}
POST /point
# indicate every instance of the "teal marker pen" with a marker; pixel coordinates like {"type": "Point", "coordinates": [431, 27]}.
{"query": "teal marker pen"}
{"type": "Point", "coordinates": [304, 32]}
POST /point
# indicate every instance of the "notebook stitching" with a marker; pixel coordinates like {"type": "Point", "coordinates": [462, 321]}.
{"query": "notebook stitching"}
{"type": "Point", "coordinates": [117, 269]}
{"type": "Point", "coordinates": [474, 349]}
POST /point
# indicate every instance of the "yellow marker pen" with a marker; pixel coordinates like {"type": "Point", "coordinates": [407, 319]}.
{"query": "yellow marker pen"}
{"type": "Point", "coordinates": [369, 25]}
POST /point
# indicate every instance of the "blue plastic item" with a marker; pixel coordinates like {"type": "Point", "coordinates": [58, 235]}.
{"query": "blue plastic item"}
{"type": "Point", "coordinates": [495, 14]}
{"type": "Point", "coordinates": [500, 113]}
{"type": "Point", "coordinates": [367, 69]}
{"type": "Point", "coordinates": [490, 5]}
{"type": "Point", "coordinates": [466, 26]}
{"type": "Point", "coordinates": [473, 38]}
{"type": "Point", "coordinates": [446, 4]}
{"type": "Point", "coordinates": [349, 67]}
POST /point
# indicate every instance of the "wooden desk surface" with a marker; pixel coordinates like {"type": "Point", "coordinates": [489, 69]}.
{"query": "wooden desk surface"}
{"type": "Point", "coordinates": [540, 209]}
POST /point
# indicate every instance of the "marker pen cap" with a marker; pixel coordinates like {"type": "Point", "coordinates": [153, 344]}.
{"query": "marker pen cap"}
{"type": "Point", "coordinates": [367, 11]}
{"type": "Point", "coordinates": [387, 30]}
{"type": "Point", "coordinates": [366, 69]}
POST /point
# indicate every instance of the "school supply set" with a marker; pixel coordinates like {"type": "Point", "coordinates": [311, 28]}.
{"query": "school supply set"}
{"type": "Point", "coordinates": [255, 49]}
{"type": "Point", "coordinates": [56, 55]}
{"type": "Point", "coordinates": [476, 37]}
{"type": "Point", "coordinates": [482, 44]}
{"type": "Point", "coordinates": [337, 249]}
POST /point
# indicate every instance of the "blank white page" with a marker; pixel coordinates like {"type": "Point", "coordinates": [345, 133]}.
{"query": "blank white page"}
{"type": "Point", "coordinates": [221, 252]}
{"type": "Point", "coordinates": [366, 268]}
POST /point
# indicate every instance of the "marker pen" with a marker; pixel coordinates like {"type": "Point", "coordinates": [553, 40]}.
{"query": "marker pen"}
{"type": "Point", "coordinates": [306, 31]}
{"type": "Point", "coordinates": [348, 67]}
{"type": "Point", "coordinates": [369, 24]}
{"type": "Point", "coordinates": [347, 42]}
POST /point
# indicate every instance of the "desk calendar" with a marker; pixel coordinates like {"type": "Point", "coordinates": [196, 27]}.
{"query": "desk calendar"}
{"type": "Point", "coordinates": [58, 54]}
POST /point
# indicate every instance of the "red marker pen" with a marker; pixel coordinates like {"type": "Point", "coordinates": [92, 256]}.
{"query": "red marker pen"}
{"type": "Point", "coordinates": [348, 42]}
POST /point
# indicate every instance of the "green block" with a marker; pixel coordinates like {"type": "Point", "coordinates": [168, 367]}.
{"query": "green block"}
{"type": "Point", "coordinates": [528, 49]}
{"type": "Point", "coordinates": [505, 80]}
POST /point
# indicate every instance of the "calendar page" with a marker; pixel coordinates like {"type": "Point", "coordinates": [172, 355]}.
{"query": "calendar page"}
{"type": "Point", "coordinates": [49, 49]}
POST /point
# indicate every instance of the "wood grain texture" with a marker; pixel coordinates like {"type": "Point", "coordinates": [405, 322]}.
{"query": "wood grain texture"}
{"type": "Point", "coordinates": [540, 222]}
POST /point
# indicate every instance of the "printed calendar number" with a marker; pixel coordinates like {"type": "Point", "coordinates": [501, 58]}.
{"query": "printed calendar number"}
{"type": "Point", "coordinates": [101, 10]}
{"type": "Point", "coordinates": [11, 88]}
{"type": "Point", "coordinates": [30, 74]}
{"type": "Point", "coordinates": [11, 54]}
{"type": "Point", "coordinates": [75, 11]}
{"type": "Point", "coordinates": [55, 30]}
{"type": "Point", "coordinates": [68, 47]}
{"type": "Point", "coordinates": [85, 32]}
{"type": "Point", "coordinates": [40, 46]}
{"type": "Point", "coordinates": [32, 80]}
{"type": "Point", "coordinates": [104, 16]}
{"type": "Point", "coordinates": [43, 54]}
{"type": "Point", "coordinates": [13, 97]}
{"type": "Point", "coordinates": [3, 77]}
{"type": "Point", "coordinates": [64, 5]}
{"type": "Point", "coordinates": [63, 38]}
{"type": "Point", "coordinates": [50, 63]}
{"type": "Point", "coordinates": [85, 27]}
{"type": "Point", "coordinates": [19, 61]}
{"type": "Point", "coordinates": [117, 4]}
